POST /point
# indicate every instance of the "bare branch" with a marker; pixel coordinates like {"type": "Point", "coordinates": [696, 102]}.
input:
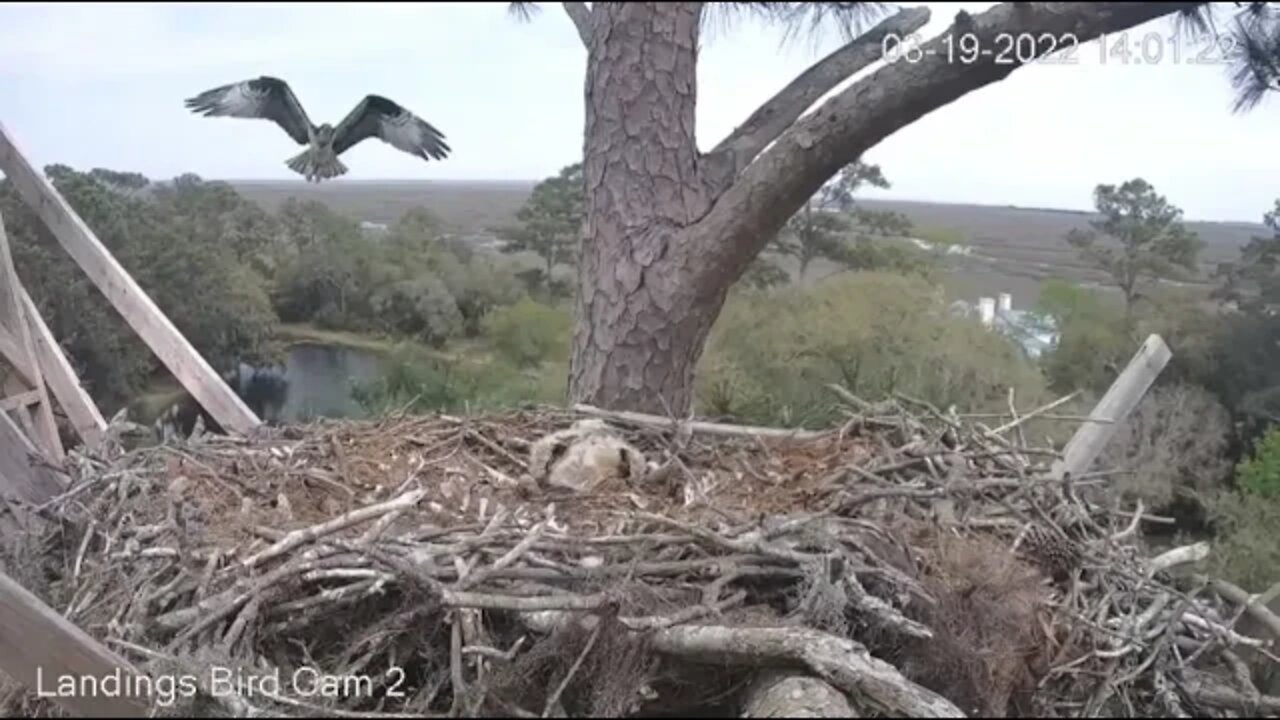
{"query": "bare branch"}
{"type": "Point", "coordinates": [843, 663]}
{"type": "Point", "coordinates": [581, 17]}
{"type": "Point", "coordinates": [754, 209]}
{"type": "Point", "coordinates": [777, 114]}
{"type": "Point", "coordinates": [1254, 606]}
{"type": "Point", "coordinates": [1214, 695]}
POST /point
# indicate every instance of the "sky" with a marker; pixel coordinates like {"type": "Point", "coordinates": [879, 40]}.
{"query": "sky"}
{"type": "Point", "coordinates": [102, 85]}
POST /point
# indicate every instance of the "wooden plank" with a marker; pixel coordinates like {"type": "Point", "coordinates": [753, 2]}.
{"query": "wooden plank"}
{"type": "Point", "coordinates": [38, 646]}
{"type": "Point", "coordinates": [20, 478]}
{"type": "Point", "coordinates": [12, 354]}
{"type": "Point", "coordinates": [61, 378]}
{"type": "Point", "coordinates": [13, 316]}
{"type": "Point", "coordinates": [1121, 398]}
{"type": "Point", "coordinates": [124, 293]}
{"type": "Point", "coordinates": [22, 483]}
{"type": "Point", "coordinates": [13, 402]}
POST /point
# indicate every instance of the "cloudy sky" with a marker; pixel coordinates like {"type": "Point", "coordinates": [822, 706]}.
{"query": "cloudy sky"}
{"type": "Point", "coordinates": [102, 85]}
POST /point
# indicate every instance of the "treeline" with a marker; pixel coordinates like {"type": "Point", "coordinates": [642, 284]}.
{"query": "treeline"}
{"type": "Point", "coordinates": [228, 273]}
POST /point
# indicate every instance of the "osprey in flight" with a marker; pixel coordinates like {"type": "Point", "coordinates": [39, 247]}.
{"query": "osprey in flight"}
{"type": "Point", "coordinates": [271, 99]}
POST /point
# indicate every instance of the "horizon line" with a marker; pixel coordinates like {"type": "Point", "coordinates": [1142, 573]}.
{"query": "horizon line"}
{"type": "Point", "coordinates": [509, 181]}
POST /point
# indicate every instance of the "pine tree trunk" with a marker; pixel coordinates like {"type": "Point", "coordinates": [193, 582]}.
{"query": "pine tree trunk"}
{"type": "Point", "coordinates": [642, 322]}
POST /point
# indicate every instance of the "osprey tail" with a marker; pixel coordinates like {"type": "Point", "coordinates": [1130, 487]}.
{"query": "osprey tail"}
{"type": "Point", "coordinates": [315, 166]}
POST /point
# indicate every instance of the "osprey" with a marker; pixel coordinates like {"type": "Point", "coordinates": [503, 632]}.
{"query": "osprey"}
{"type": "Point", "coordinates": [271, 99]}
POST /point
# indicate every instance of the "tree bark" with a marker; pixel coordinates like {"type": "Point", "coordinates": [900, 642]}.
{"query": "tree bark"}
{"type": "Point", "coordinates": [642, 320]}
{"type": "Point", "coordinates": [668, 230]}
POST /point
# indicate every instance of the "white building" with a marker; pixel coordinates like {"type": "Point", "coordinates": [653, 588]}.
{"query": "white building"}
{"type": "Point", "coordinates": [1034, 333]}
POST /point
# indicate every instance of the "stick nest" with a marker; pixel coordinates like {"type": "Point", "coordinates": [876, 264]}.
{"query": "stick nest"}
{"type": "Point", "coordinates": [919, 564]}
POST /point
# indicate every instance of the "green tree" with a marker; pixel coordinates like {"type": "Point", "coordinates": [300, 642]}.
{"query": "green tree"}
{"type": "Point", "coordinates": [1245, 373]}
{"type": "Point", "coordinates": [670, 228]}
{"type": "Point", "coordinates": [874, 333]}
{"type": "Point", "coordinates": [180, 240]}
{"type": "Point", "coordinates": [529, 333]}
{"type": "Point", "coordinates": [1260, 473]}
{"type": "Point", "coordinates": [1092, 341]}
{"type": "Point", "coordinates": [415, 282]}
{"type": "Point", "coordinates": [550, 222]}
{"type": "Point", "coordinates": [1147, 239]}
{"type": "Point", "coordinates": [324, 269]}
{"type": "Point", "coordinates": [479, 285]}
{"type": "Point", "coordinates": [826, 223]}
{"type": "Point", "coordinates": [764, 273]}
{"type": "Point", "coordinates": [1253, 282]}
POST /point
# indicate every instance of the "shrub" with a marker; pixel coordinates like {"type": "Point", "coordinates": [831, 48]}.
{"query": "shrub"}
{"type": "Point", "coordinates": [529, 333]}
{"type": "Point", "coordinates": [420, 307]}
{"type": "Point", "coordinates": [1246, 551]}
{"type": "Point", "coordinates": [413, 379]}
{"type": "Point", "coordinates": [479, 283]}
{"type": "Point", "coordinates": [1172, 444]}
{"type": "Point", "coordinates": [1092, 340]}
{"type": "Point", "coordinates": [1260, 475]}
{"type": "Point", "coordinates": [417, 380]}
{"type": "Point", "coordinates": [772, 353]}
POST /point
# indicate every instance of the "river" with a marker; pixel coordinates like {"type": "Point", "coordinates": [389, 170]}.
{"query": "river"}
{"type": "Point", "coordinates": [321, 377]}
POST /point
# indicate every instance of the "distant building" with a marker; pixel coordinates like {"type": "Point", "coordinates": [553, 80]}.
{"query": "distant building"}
{"type": "Point", "coordinates": [1034, 333]}
{"type": "Point", "coordinates": [954, 249]}
{"type": "Point", "coordinates": [373, 227]}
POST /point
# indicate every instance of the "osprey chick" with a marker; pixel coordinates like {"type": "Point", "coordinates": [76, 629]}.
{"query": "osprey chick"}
{"type": "Point", "coordinates": [584, 457]}
{"type": "Point", "coordinates": [269, 98]}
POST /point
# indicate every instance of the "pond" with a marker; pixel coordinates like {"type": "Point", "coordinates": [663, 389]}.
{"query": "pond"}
{"type": "Point", "coordinates": [321, 377]}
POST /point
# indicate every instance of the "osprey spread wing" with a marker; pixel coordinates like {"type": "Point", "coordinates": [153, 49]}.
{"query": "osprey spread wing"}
{"type": "Point", "coordinates": [269, 98]}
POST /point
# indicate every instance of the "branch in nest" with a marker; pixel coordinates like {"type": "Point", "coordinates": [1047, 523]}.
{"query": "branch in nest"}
{"type": "Point", "coordinates": [843, 663]}
{"type": "Point", "coordinates": [884, 613]}
{"type": "Point", "coordinates": [1184, 555]}
{"type": "Point", "coordinates": [298, 538]}
{"type": "Point", "coordinates": [1254, 605]}
{"type": "Point", "coordinates": [636, 419]}
{"type": "Point", "coordinates": [1218, 696]}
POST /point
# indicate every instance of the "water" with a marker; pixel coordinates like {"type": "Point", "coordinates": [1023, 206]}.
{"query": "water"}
{"type": "Point", "coordinates": [321, 377]}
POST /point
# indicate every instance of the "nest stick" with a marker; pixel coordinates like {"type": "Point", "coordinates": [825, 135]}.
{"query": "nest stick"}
{"type": "Point", "coordinates": [297, 538]}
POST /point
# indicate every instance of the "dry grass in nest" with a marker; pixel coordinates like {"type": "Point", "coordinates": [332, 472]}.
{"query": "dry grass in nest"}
{"type": "Point", "coordinates": [417, 543]}
{"type": "Point", "coordinates": [988, 640]}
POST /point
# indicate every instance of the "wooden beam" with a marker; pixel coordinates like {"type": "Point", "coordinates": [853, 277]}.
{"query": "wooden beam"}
{"type": "Point", "coordinates": [124, 293]}
{"type": "Point", "coordinates": [38, 646]}
{"type": "Point", "coordinates": [13, 402]}
{"type": "Point", "coordinates": [1121, 398]}
{"type": "Point", "coordinates": [12, 353]}
{"type": "Point", "coordinates": [20, 478]}
{"type": "Point", "coordinates": [13, 316]}
{"type": "Point", "coordinates": [62, 379]}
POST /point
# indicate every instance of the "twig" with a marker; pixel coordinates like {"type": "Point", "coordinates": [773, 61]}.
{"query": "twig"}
{"type": "Point", "coordinates": [535, 534]}
{"type": "Point", "coordinates": [301, 537]}
{"type": "Point", "coordinates": [573, 671]}
{"type": "Point", "coordinates": [1034, 413]}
